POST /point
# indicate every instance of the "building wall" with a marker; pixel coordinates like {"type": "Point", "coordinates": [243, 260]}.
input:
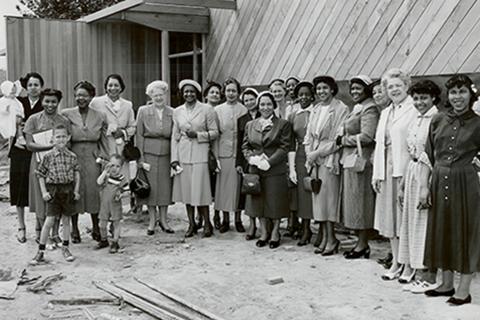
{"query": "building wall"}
{"type": "Point", "coordinates": [64, 52]}
{"type": "Point", "coordinates": [278, 38]}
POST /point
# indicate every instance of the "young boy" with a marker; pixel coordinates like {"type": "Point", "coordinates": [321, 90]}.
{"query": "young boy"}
{"type": "Point", "coordinates": [113, 186]}
{"type": "Point", "coordinates": [59, 178]}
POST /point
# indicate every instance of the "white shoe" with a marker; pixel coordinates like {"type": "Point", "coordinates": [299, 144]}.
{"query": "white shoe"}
{"type": "Point", "coordinates": [422, 286]}
{"type": "Point", "coordinates": [411, 285]}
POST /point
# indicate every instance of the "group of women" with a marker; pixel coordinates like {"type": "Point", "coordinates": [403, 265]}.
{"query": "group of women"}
{"type": "Point", "coordinates": [393, 163]}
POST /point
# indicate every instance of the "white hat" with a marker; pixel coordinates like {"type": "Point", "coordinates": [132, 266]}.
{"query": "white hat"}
{"type": "Point", "coordinates": [191, 82]}
{"type": "Point", "coordinates": [363, 78]}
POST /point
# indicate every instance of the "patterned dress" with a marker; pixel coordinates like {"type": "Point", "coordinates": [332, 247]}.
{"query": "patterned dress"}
{"type": "Point", "coordinates": [413, 228]}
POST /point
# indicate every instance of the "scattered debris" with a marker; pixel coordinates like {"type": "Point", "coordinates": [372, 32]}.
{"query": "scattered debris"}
{"type": "Point", "coordinates": [44, 285]}
{"type": "Point", "coordinates": [85, 301]}
{"type": "Point", "coordinates": [25, 279]}
{"type": "Point", "coordinates": [275, 280]}
{"type": "Point", "coordinates": [288, 248]}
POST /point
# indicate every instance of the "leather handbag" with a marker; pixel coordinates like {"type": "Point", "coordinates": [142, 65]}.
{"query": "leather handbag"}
{"type": "Point", "coordinates": [140, 185]}
{"type": "Point", "coordinates": [311, 184]}
{"type": "Point", "coordinates": [355, 161]}
{"type": "Point", "coordinates": [250, 183]}
{"type": "Point", "coordinates": [212, 160]}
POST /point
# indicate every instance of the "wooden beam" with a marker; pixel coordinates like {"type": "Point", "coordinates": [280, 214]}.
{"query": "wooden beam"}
{"type": "Point", "coordinates": [168, 8]}
{"type": "Point", "coordinates": [165, 60]}
{"type": "Point", "coordinates": [195, 57]}
{"type": "Point", "coordinates": [116, 8]}
{"type": "Point", "coordinates": [184, 54]}
{"type": "Point", "coordinates": [170, 22]}
{"type": "Point", "coordinates": [204, 59]}
{"type": "Point", "coordinates": [213, 4]}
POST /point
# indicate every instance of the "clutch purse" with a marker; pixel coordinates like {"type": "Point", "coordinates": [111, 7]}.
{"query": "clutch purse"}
{"type": "Point", "coordinates": [355, 161]}
{"type": "Point", "coordinates": [311, 184]}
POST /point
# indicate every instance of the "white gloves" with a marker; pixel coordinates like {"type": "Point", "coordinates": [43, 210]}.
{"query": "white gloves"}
{"type": "Point", "coordinates": [260, 161]}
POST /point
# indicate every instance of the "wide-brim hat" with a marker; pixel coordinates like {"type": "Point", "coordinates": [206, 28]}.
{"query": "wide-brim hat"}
{"type": "Point", "coordinates": [303, 83]}
{"type": "Point", "coordinates": [190, 82]}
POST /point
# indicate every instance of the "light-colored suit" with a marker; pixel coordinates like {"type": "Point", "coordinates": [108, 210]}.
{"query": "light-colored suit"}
{"type": "Point", "coordinates": [201, 119]}
{"type": "Point", "coordinates": [226, 144]}
{"type": "Point", "coordinates": [123, 119]}
{"type": "Point", "coordinates": [153, 136]}
{"type": "Point", "coordinates": [405, 115]}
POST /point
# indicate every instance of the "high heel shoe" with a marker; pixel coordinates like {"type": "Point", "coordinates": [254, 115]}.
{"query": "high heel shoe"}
{"type": "Point", "coordinates": [320, 249]}
{"type": "Point", "coordinates": [249, 237]}
{"type": "Point", "coordinates": [407, 279]}
{"type": "Point", "coordinates": [192, 230]}
{"type": "Point", "coordinates": [389, 276]}
{"type": "Point", "coordinates": [318, 241]}
{"type": "Point", "coordinates": [274, 244]}
{"type": "Point", "coordinates": [169, 230]}
{"type": "Point", "coordinates": [207, 231]}
{"type": "Point", "coordinates": [261, 243]}
{"type": "Point", "coordinates": [216, 221]}
{"type": "Point", "coordinates": [225, 227]}
{"type": "Point", "coordinates": [305, 240]}
{"type": "Point", "coordinates": [239, 226]}
{"type": "Point", "coordinates": [150, 232]}
{"type": "Point", "coordinates": [333, 251]}
{"type": "Point", "coordinates": [358, 254]}
{"type": "Point", "coordinates": [458, 302]}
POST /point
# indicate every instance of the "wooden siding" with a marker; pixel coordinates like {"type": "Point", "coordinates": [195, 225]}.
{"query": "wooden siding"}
{"type": "Point", "coordinates": [64, 52]}
{"type": "Point", "coordinates": [262, 40]}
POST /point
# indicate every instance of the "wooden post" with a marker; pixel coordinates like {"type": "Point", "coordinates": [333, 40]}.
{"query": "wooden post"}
{"type": "Point", "coordinates": [195, 58]}
{"type": "Point", "coordinates": [204, 57]}
{"type": "Point", "coordinates": [166, 61]}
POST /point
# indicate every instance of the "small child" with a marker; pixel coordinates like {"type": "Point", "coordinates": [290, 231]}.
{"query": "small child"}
{"type": "Point", "coordinates": [59, 178]}
{"type": "Point", "coordinates": [113, 185]}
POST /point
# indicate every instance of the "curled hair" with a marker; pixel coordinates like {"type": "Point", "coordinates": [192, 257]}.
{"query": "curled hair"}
{"type": "Point", "coordinates": [157, 84]}
{"type": "Point", "coordinates": [270, 96]}
{"type": "Point", "coordinates": [396, 73]}
{"type": "Point", "coordinates": [305, 84]}
{"type": "Point", "coordinates": [87, 86]}
{"type": "Point", "coordinates": [24, 80]}
{"type": "Point", "coordinates": [426, 87]}
{"type": "Point", "coordinates": [458, 81]}
{"type": "Point", "coordinates": [231, 80]}
{"type": "Point", "coordinates": [116, 77]}
{"type": "Point", "coordinates": [210, 85]}
{"type": "Point", "coordinates": [330, 81]}
{"type": "Point", "coordinates": [51, 92]}
{"type": "Point", "coordinates": [249, 91]}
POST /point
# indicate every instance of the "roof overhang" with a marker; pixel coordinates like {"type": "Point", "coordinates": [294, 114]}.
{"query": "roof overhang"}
{"type": "Point", "coordinates": [169, 15]}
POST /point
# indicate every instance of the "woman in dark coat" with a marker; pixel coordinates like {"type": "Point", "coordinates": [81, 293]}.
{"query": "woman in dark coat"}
{"type": "Point", "coordinates": [265, 146]}
{"type": "Point", "coordinates": [249, 100]}
{"type": "Point", "coordinates": [20, 156]}
{"type": "Point", "coordinates": [453, 230]}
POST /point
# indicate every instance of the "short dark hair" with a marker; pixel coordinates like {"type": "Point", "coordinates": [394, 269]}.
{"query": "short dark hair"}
{"type": "Point", "coordinates": [267, 94]}
{"type": "Point", "coordinates": [458, 81]}
{"type": "Point", "coordinates": [231, 80]}
{"type": "Point", "coordinates": [116, 77]}
{"type": "Point", "coordinates": [211, 84]}
{"type": "Point", "coordinates": [24, 80]}
{"type": "Point", "coordinates": [304, 84]}
{"type": "Point", "coordinates": [426, 87]}
{"type": "Point", "coordinates": [330, 81]}
{"type": "Point", "coordinates": [51, 92]}
{"type": "Point", "coordinates": [90, 88]}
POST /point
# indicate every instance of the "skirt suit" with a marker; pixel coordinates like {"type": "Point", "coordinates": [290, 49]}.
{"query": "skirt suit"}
{"type": "Point", "coordinates": [153, 135]}
{"type": "Point", "coordinates": [40, 122]}
{"type": "Point", "coordinates": [275, 142]}
{"type": "Point", "coordinates": [227, 191]}
{"type": "Point", "coordinates": [85, 142]}
{"type": "Point", "coordinates": [299, 122]}
{"type": "Point", "coordinates": [358, 198]}
{"type": "Point", "coordinates": [390, 163]}
{"type": "Point", "coordinates": [453, 230]}
{"type": "Point", "coordinates": [192, 185]}
{"type": "Point", "coordinates": [413, 230]}
{"type": "Point", "coordinates": [20, 159]}
{"type": "Point", "coordinates": [322, 128]}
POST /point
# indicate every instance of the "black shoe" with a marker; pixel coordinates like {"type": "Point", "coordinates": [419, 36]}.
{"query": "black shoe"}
{"type": "Point", "coordinates": [114, 247]}
{"type": "Point", "coordinates": [290, 233]}
{"type": "Point", "coordinates": [216, 221]}
{"type": "Point", "coordinates": [76, 237]}
{"type": "Point", "coordinates": [261, 243]}
{"type": "Point", "coordinates": [386, 260]}
{"type": "Point", "coordinates": [249, 237]}
{"type": "Point", "coordinates": [96, 236]}
{"type": "Point", "coordinates": [274, 244]}
{"type": "Point", "coordinates": [305, 239]}
{"type": "Point", "coordinates": [225, 227]}
{"type": "Point", "coordinates": [192, 230]}
{"type": "Point", "coordinates": [458, 302]}
{"type": "Point", "coordinates": [435, 293]}
{"type": "Point", "coordinates": [358, 254]}
{"type": "Point", "coordinates": [239, 226]}
{"type": "Point", "coordinates": [169, 230]}
{"type": "Point", "coordinates": [102, 244]}
{"type": "Point", "coordinates": [207, 231]}
{"type": "Point", "coordinates": [150, 232]}
{"type": "Point", "coordinates": [333, 251]}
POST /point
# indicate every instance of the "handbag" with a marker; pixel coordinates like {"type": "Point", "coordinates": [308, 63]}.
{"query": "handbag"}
{"type": "Point", "coordinates": [140, 185]}
{"type": "Point", "coordinates": [355, 161]}
{"type": "Point", "coordinates": [312, 184]}
{"type": "Point", "coordinates": [130, 152]}
{"type": "Point", "coordinates": [250, 183]}
{"type": "Point", "coordinates": [212, 160]}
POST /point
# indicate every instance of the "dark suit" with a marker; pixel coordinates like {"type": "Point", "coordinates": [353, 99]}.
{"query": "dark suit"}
{"type": "Point", "coordinates": [20, 160]}
{"type": "Point", "coordinates": [273, 201]}
{"type": "Point", "coordinates": [241, 123]}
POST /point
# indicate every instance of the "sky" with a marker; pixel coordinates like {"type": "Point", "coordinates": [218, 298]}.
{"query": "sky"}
{"type": "Point", "coordinates": [7, 8]}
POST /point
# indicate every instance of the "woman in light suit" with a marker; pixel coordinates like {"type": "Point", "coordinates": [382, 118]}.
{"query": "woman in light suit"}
{"type": "Point", "coordinates": [120, 116]}
{"type": "Point", "coordinates": [194, 127]}
{"type": "Point", "coordinates": [153, 135]}
{"type": "Point", "coordinates": [390, 160]}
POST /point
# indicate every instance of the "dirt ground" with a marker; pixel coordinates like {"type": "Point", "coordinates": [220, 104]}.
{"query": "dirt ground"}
{"type": "Point", "coordinates": [224, 274]}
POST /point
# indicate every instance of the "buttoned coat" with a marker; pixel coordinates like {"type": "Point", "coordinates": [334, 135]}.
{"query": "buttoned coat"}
{"type": "Point", "coordinates": [152, 135]}
{"type": "Point", "coordinates": [201, 119]}
{"type": "Point", "coordinates": [228, 115]}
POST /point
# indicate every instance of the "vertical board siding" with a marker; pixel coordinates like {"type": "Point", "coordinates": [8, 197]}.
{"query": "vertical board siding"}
{"type": "Point", "coordinates": [65, 52]}
{"type": "Point", "coordinates": [262, 40]}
